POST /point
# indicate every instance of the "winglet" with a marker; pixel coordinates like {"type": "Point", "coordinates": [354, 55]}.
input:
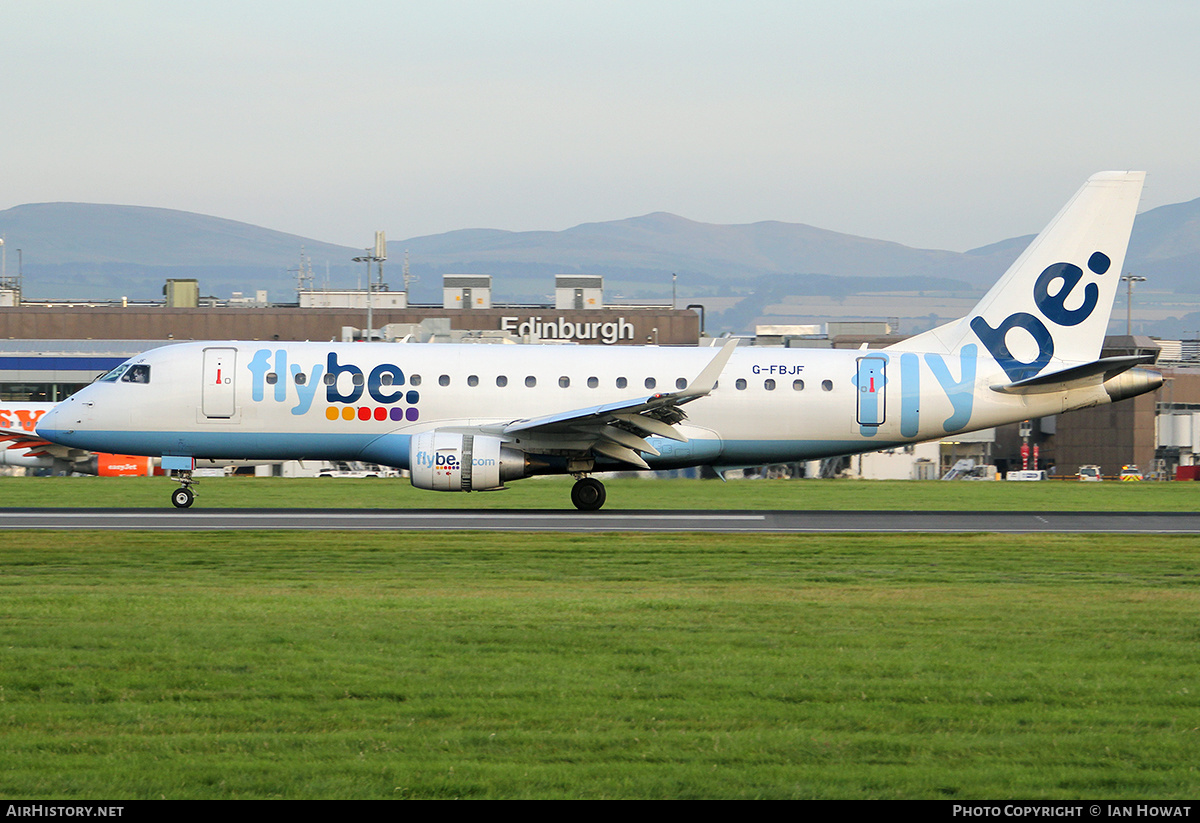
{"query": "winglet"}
{"type": "Point", "coordinates": [638, 406]}
{"type": "Point", "coordinates": [706, 381]}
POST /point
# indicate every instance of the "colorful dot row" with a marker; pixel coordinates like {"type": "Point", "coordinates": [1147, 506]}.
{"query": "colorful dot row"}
{"type": "Point", "coordinates": [367, 413]}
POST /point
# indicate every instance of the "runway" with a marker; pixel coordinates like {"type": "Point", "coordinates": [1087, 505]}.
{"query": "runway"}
{"type": "Point", "coordinates": [785, 522]}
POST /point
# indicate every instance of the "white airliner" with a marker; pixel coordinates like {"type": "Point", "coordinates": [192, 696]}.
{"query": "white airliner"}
{"type": "Point", "coordinates": [19, 443]}
{"type": "Point", "coordinates": [472, 418]}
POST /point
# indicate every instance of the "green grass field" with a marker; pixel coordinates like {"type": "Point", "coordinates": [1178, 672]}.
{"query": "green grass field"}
{"type": "Point", "coordinates": [370, 665]}
{"type": "Point", "coordinates": [623, 493]}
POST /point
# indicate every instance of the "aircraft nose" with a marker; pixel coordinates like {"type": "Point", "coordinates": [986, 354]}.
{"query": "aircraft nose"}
{"type": "Point", "coordinates": [59, 423]}
{"type": "Point", "coordinates": [48, 424]}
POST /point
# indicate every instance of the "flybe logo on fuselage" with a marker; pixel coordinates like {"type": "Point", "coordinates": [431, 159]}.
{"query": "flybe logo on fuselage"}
{"type": "Point", "coordinates": [345, 384]}
{"type": "Point", "coordinates": [1052, 306]}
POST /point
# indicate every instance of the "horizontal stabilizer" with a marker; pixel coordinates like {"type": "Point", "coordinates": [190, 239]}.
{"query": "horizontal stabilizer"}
{"type": "Point", "coordinates": [1106, 368]}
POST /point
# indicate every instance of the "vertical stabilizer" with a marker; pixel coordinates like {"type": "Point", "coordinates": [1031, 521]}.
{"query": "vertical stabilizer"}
{"type": "Point", "coordinates": [1054, 302]}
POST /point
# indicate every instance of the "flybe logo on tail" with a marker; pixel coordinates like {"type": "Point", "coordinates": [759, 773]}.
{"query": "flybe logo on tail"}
{"type": "Point", "coordinates": [1052, 306]}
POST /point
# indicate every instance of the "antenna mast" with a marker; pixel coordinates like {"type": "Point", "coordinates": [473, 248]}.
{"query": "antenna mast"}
{"type": "Point", "coordinates": [304, 275]}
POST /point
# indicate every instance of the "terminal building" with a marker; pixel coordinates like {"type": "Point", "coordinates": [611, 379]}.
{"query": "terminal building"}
{"type": "Point", "coordinates": [580, 315]}
{"type": "Point", "coordinates": [49, 349]}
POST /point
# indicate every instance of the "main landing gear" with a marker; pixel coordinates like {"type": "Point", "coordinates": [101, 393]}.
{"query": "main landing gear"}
{"type": "Point", "coordinates": [588, 494]}
{"type": "Point", "coordinates": [183, 497]}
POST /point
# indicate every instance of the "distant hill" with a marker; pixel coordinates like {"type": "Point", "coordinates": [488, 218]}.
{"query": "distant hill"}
{"type": "Point", "coordinates": [78, 250]}
{"type": "Point", "coordinates": [640, 253]}
{"type": "Point", "coordinates": [83, 250]}
{"type": "Point", "coordinates": [1165, 246]}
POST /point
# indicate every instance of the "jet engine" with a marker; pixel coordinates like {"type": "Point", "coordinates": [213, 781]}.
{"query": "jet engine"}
{"type": "Point", "coordinates": [452, 462]}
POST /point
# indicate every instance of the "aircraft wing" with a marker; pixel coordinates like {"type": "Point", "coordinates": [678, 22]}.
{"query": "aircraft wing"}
{"type": "Point", "coordinates": [38, 446]}
{"type": "Point", "coordinates": [618, 430]}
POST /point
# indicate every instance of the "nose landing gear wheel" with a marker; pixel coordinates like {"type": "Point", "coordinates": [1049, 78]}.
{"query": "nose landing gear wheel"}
{"type": "Point", "coordinates": [182, 498]}
{"type": "Point", "coordinates": [588, 494]}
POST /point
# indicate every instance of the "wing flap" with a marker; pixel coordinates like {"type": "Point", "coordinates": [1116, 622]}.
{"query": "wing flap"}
{"type": "Point", "coordinates": [627, 439]}
{"type": "Point", "coordinates": [618, 452]}
{"type": "Point", "coordinates": [651, 426]}
{"type": "Point", "coordinates": [618, 430]}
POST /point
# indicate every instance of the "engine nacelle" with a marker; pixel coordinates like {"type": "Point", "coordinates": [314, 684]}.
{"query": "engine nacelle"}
{"type": "Point", "coordinates": [21, 457]}
{"type": "Point", "coordinates": [451, 462]}
{"type": "Point", "coordinates": [123, 465]}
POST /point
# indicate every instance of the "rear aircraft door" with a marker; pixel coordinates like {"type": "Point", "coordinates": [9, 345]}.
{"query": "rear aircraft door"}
{"type": "Point", "coordinates": [217, 395]}
{"type": "Point", "coordinates": [871, 381]}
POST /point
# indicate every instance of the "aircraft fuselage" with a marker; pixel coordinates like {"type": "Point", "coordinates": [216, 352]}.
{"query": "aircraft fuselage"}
{"type": "Point", "coordinates": [241, 400]}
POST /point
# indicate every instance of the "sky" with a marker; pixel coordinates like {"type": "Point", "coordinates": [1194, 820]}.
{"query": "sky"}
{"type": "Point", "coordinates": [933, 123]}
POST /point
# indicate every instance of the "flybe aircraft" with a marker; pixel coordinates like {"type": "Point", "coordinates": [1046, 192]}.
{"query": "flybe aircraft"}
{"type": "Point", "coordinates": [473, 418]}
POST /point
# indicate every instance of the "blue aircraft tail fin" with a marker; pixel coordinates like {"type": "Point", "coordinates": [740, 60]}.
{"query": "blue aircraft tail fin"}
{"type": "Point", "coordinates": [1054, 302]}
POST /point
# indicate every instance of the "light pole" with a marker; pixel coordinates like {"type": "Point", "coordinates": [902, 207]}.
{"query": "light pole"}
{"type": "Point", "coordinates": [369, 258]}
{"type": "Point", "coordinates": [1130, 279]}
{"type": "Point", "coordinates": [376, 255]}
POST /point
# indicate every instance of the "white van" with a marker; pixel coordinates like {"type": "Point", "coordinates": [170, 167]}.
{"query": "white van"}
{"type": "Point", "coordinates": [1026, 474]}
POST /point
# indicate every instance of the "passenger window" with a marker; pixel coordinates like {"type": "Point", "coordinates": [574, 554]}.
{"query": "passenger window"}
{"type": "Point", "coordinates": [769, 384]}
{"type": "Point", "coordinates": [272, 378]}
{"type": "Point", "coordinates": [414, 380]}
{"type": "Point", "coordinates": [622, 382]}
{"type": "Point", "coordinates": [473, 380]}
{"type": "Point", "coordinates": [530, 381]}
{"type": "Point", "coordinates": [330, 378]}
{"type": "Point", "coordinates": [740, 385]}
{"type": "Point", "coordinates": [564, 382]}
{"type": "Point", "coordinates": [798, 385]}
{"type": "Point", "coordinates": [501, 381]}
{"type": "Point", "coordinates": [301, 378]}
{"type": "Point", "coordinates": [593, 382]}
{"type": "Point", "coordinates": [827, 385]}
{"type": "Point", "coordinates": [680, 383]}
{"type": "Point", "coordinates": [386, 378]}
{"type": "Point", "coordinates": [444, 380]}
{"type": "Point", "coordinates": [651, 382]}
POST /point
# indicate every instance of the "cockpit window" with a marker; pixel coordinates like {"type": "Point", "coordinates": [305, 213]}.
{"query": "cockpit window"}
{"type": "Point", "coordinates": [113, 375]}
{"type": "Point", "coordinates": [136, 374]}
{"type": "Point", "coordinates": [127, 374]}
